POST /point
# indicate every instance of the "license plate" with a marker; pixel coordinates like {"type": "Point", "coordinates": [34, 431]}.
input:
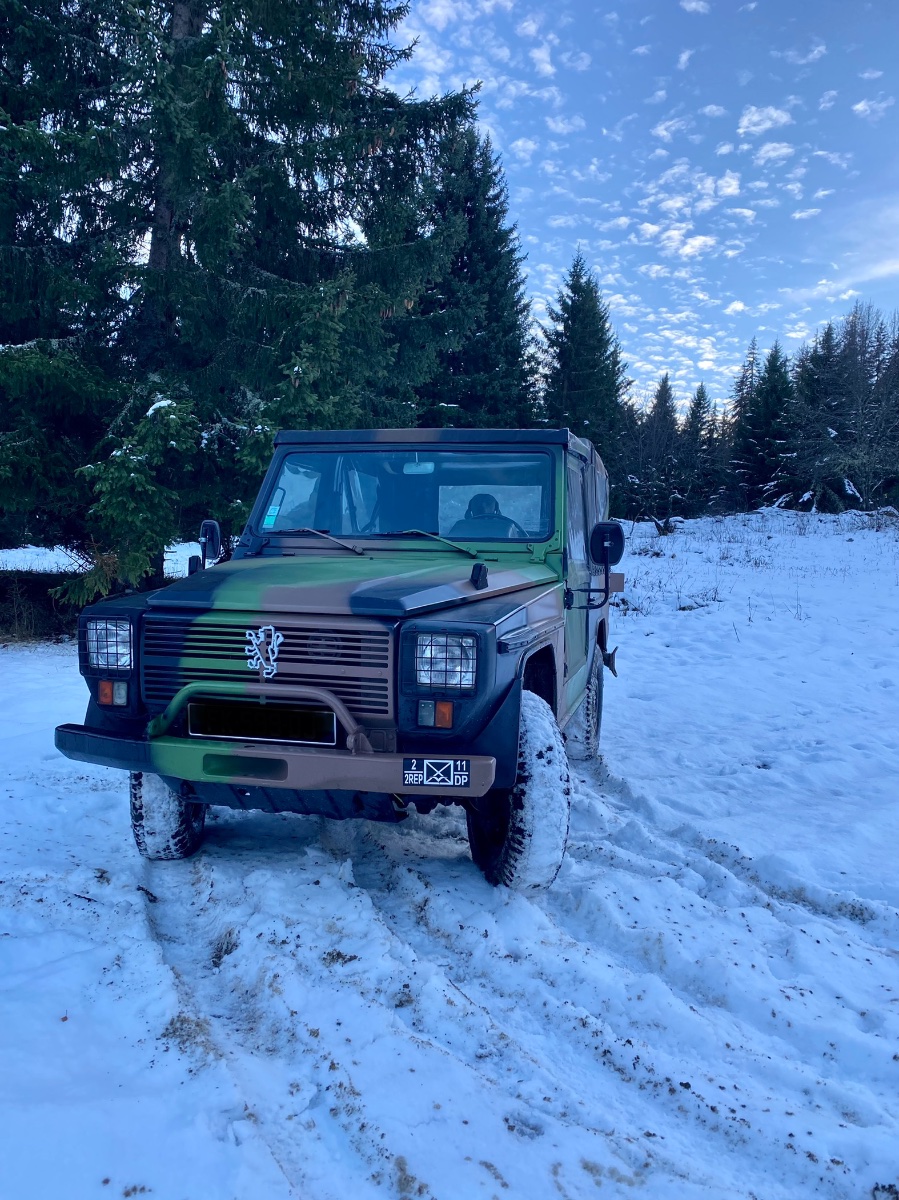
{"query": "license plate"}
{"type": "Point", "coordinates": [437, 772]}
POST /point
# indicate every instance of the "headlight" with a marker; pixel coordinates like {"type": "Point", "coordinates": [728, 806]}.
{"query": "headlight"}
{"type": "Point", "coordinates": [109, 645]}
{"type": "Point", "coordinates": [446, 660]}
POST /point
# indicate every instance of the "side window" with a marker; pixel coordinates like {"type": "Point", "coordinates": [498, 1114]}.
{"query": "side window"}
{"type": "Point", "coordinates": [577, 514]}
{"type": "Point", "coordinates": [602, 496]}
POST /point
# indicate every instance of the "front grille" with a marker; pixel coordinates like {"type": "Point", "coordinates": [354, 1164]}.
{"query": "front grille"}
{"type": "Point", "coordinates": [355, 663]}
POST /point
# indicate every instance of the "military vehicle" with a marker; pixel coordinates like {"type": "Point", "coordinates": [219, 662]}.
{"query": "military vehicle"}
{"type": "Point", "coordinates": [409, 617]}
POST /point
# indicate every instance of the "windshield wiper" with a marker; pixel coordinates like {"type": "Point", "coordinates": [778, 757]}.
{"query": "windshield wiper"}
{"type": "Point", "coordinates": [321, 533]}
{"type": "Point", "coordinates": [435, 536]}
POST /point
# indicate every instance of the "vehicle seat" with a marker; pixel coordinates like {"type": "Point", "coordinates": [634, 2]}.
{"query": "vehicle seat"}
{"type": "Point", "coordinates": [484, 520]}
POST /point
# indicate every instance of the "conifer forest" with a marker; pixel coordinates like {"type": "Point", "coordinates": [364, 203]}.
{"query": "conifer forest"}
{"type": "Point", "coordinates": [218, 220]}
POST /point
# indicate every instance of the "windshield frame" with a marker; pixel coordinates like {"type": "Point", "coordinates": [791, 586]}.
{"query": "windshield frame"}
{"type": "Point", "coordinates": [407, 538]}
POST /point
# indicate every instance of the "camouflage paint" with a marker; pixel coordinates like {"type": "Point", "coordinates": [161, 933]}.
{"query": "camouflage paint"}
{"type": "Point", "coordinates": [391, 581]}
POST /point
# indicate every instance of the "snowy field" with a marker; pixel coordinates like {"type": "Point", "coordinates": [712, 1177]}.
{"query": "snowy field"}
{"type": "Point", "coordinates": [705, 1004]}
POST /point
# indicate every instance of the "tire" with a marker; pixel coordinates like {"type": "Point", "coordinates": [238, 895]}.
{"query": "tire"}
{"type": "Point", "coordinates": [165, 826]}
{"type": "Point", "coordinates": [582, 733]}
{"type": "Point", "coordinates": [518, 836]}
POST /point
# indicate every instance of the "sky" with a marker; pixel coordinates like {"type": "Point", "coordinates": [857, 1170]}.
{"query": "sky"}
{"type": "Point", "coordinates": [727, 169]}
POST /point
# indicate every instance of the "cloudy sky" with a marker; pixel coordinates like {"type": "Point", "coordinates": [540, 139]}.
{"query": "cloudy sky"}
{"type": "Point", "coordinates": [728, 169]}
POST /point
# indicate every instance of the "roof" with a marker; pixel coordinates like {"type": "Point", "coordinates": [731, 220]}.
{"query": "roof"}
{"type": "Point", "coordinates": [288, 437]}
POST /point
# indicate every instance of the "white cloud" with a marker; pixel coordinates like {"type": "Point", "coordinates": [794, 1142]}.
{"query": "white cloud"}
{"type": "Point", "coordinates": [541, 58]}
{"type": "Point", "coordinates": [873, 110]}
{"type": "Point", "coordinates": [615, 223]}
{"type": "Point", "coordinates": [656, 97]}
{"type": "Point", "coordinates": [822, 193]}
{"type": "Point", "coordinates": [774, 152]}
{"type": "Point", "coordinates": [695, 246]}
{"type": "Point", "coordinates": [755, 121]}
{"type": "Point", "coordinates": [654, 270]}
{"type": "Point", "coordinates": [835, 160]}
{"type": "Point", "coordinates": [695, 6]}
{"type": "Point", "coordinates": [439, 13]}
{"type": "Point", "coordinates": [565, 124]}
{"type": "Point", "coordinates": [725, 148]}
{"type": "Point", "coordinates": [817, 50]}
{"type": "Point", "coordinates": [803, 214]}
{"type": "Point", "coordinates": [736, 307]}
{"type": "Point", "coordinates": [523, 149]}
{"type": "Point", "coordinates": [713, 110]}
{"type": "Point", "coordinates": [648, 230]}
{"type": "Point", "coordinates": [869, 75]}
{"type": "Point", "coordinates": [683, 59]}
{"type": "Point", "coordinates": [576, 60]}
{"type": "Point", "coordinates": [665, 130]}
{"type": "Point", "coordinates": [529, 26]}
{"type": "Point", "coordinates": [827, 101]}
{"type": "Point", "coordinates": [728, 184]}
{"type": "Point", "coordinates": [562, 222]}
{"type": "Point", "coordinates": [747, 214]}
{"type": "Point", "coordinates": [641, 50]}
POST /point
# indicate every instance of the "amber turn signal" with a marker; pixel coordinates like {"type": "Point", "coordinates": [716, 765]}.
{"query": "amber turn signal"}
{"type": "Point", "coordinates": [443, 714]}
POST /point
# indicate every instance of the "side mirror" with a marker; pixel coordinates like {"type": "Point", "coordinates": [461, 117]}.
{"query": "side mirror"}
{"type": "Point", "coordinates": [607, 543]}
{"type": "Point", "coordinates": [210, 541]}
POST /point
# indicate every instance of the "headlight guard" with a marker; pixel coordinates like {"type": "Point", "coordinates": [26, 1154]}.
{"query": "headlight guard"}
{"type": "Point", "coordinates": [109, 644]}
{"type": "Point", "coordinates": [446, 660]}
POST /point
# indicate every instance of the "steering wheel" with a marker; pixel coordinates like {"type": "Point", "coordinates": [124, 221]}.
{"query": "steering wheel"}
{"type": "Point", "coordinates": [502, 517]}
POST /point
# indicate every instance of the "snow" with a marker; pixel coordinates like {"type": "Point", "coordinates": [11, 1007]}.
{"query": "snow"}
{"type": "Point", "coordinates": [705, 1003]}
{"type": "Point", "coordinates": [38, 558]}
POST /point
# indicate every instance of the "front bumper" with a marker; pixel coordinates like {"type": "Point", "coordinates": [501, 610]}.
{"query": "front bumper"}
{"type": "Point", "coordinates": [254, 764]}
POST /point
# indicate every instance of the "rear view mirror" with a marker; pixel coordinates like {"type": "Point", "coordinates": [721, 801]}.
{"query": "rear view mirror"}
{"type": "Point", "coordinates": [210, 541]}
{"type": "Point", "coordinates": [607, 543]}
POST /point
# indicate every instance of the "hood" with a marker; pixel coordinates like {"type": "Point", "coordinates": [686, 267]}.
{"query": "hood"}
{"type": "Point", "coordinates": [370, 586]}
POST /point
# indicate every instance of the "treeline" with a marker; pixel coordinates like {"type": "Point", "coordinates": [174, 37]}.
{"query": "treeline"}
{"type": "Point", "coordinates": [217, 221]}
{"type": "Point", "coordinates": [817, 431]}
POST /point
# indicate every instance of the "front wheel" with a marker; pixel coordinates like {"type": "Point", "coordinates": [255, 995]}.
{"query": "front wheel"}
{"type": "Point", "coordinates": [165, 825]}
{"type": "Point", "coordinates": [518, 835]}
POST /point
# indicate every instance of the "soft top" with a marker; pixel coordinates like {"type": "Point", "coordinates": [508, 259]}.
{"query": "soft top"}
{"type": "Point", "coordinates": [288, 437]}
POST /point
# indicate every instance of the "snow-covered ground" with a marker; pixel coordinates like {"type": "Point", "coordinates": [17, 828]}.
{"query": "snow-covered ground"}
{"type": "Point", "coordinates": [705, 1004]}
{"type": "Point", "coordinates": [38, 558]}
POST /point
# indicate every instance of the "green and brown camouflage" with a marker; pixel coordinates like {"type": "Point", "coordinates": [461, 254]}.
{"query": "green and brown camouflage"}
{"type": "Point", "coordinates": [290, 678]}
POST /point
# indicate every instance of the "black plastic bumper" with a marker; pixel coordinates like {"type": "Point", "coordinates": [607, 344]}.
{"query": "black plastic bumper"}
{"type": "Point", "coordinates": [106, 749]}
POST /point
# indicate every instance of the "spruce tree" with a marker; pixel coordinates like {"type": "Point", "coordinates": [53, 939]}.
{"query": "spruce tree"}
{"type": "Point", "coordinates": [697, 436]}
{"type": "Point", "coordinates": [814, 467]}
{"type": "Point", "coordinates": [663, 470]}
{"type": "Point", "coordinates": [483, 371]}
{"type": "Point", "coordinates": [584, 372]}
{"type": "Point", "coordinates": [237, 228]}
{"type": "Point", "coordinates": [759, 429]}
{"type": "Point", "coordinates": [869, 364]}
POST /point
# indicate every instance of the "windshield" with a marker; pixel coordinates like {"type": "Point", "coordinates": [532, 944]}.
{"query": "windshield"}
{"type": "Point", "coordinates": [466, 495]}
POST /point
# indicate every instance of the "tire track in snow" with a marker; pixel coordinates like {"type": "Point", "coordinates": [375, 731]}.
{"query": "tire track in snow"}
{"type": "Point", "coordinates": [397, 1108]}
{"type": "Point", "coordinates": [759, 1052]}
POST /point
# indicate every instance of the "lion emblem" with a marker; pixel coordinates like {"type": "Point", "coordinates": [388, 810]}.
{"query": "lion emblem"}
{"type": "Point", "coordinates": [262, 649]}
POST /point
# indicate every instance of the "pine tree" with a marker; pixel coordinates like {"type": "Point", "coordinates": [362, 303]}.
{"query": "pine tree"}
{"type": "Point", "coordinates": [585, 374]}
{"type": "Point", "coordinates": [759, 431]}
{"type": "Point", "coordinates": [60, 282]}
{"type": "Point", "coordinates": [696, 438]}
{"type": "Point", "coordinates": [265, 234]}
{"type": "Point", "coordinates": [869, 362]}
{"type": "Point", "coordinates": [813, 467]}
{"type": "Point", "coordinates": [662, 440]}
{"type": "Point", "coordinates": [483, 373]}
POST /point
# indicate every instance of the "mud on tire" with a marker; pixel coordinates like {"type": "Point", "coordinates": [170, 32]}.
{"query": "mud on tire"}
{"type": "Point", "coordinates": [518, 836]}
{"type": "Point", "coordinates": [165, 825]}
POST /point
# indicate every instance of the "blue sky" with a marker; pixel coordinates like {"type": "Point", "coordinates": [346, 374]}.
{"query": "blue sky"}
{"type": "Point", "coordinates": [728, 169]}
